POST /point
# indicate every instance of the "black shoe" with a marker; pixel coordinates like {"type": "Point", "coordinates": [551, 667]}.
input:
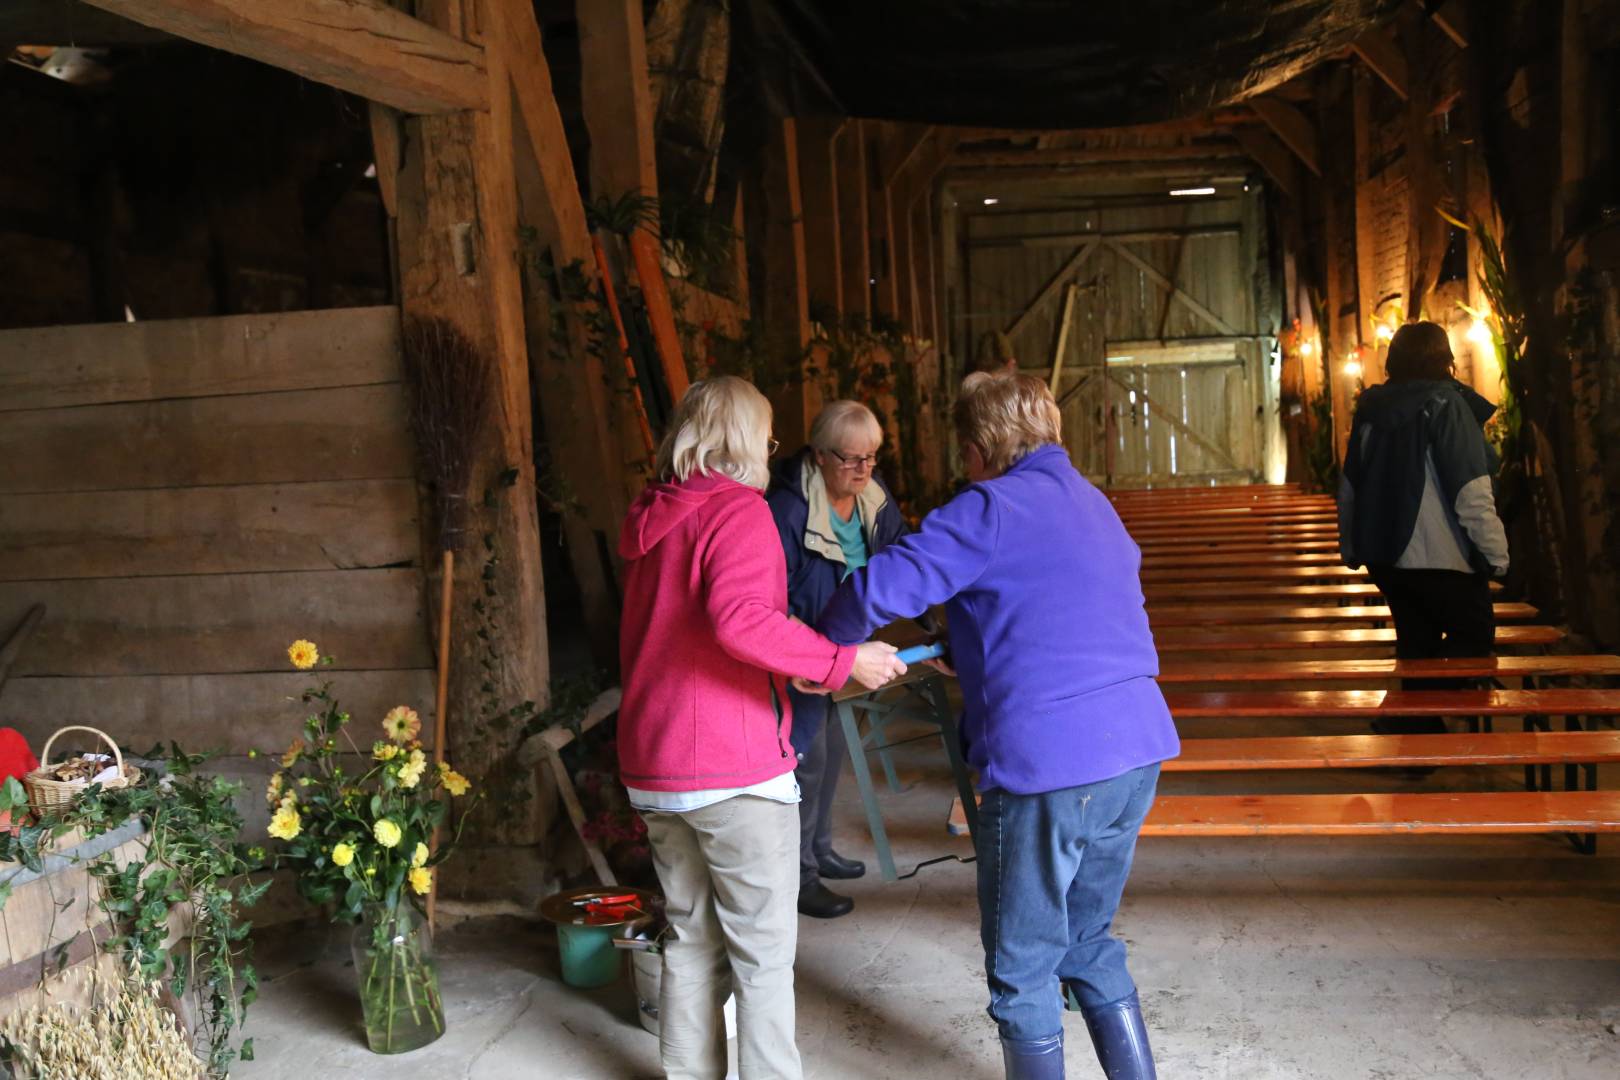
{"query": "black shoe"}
{"type": "Point", "coordinates": [1033, 1059]}
{"type": "Point", "coordinates": [834, 865]}
{"type": "Point", "coordinates": [1120, 1038]}
{"type": "Point", "coordinates": [820, 902]}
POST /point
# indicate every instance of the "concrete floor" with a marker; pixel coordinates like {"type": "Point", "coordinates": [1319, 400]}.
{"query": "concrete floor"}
{"type": "Point", "coordinates": [1376, 959]}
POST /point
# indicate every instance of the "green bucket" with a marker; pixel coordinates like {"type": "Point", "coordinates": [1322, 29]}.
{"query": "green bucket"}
{"type": "Point", "coordinates": [586, 947]}
{"type": "Point", "coordinates": [588, 956]}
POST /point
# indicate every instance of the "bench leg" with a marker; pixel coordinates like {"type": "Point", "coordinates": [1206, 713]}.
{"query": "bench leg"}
{"type": "Point", "coordinates": [951, 735]}
{"type": "Point", "coordinates": [863, 780]}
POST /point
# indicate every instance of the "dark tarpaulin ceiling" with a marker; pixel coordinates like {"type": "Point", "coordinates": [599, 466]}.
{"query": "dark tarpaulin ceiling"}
{"type": "Point", "coordinates": [1033, 63]}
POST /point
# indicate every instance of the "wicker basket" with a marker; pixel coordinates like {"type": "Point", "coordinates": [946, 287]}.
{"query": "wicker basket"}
{"type": "Point", "coordinates": [46, 793]}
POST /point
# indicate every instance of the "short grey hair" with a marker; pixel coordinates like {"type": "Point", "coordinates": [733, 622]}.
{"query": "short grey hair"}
{"type": "Point", "coordinates": [838, 420]}
{"type": "Point", "coordinates": [723, 425]}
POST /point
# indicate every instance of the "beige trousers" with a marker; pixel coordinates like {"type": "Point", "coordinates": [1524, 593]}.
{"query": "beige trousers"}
{"type": "Point", "coordinates": [730, 874]}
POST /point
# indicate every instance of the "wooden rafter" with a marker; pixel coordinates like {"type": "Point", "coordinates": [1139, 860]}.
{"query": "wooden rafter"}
{"type": "Point", "coordinates": [1452, 19]}
{"type": "Point", "coordinates": [1061, 156]}
{"type": "Point", "coordinates": [362, 46]}
{"type": "Point", "coordinates": [1293, 127]}
{"type": "Point", "coordinates": [1273, 157]}
{"type": "Point", "coordinates": [1385, 59]}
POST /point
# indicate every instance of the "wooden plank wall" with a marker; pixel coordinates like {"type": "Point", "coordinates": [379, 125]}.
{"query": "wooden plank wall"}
{"type": "Point", "coordinates": [189, 496]}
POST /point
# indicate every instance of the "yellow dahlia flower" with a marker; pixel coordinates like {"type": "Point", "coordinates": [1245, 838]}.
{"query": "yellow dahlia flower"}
{"type": "Point", "coordinates": [285, 823]}
{"type": "Point", "coordinates": [272, 794]}
{"type": "Point", "coordinates": [387, 833]}
{"type": "Point", "coordinates": [342, 854]}
{"type": "Point", "coordinates": [419, 857]}
{"type": "Point", "coordinates": [421, 881]}
{"type": "Point", "coordinates": [384, 751]}
{"type": "Point", "coordinates": [303, 654]}
{"type": "Point", "coordinates": [411, 772]}
{"type": "Point", "coordinates": [292, 753]}
{"type": "Point", "coordinates": [456, 784]}
{"type": "Point", "coordinates": [401, 724]}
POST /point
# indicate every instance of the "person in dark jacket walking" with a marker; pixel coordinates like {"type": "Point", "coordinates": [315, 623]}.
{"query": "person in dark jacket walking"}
{"type": "Point", "coordinates": [1416, 507]}
{"type": "Point", "coordinates": [833, 514]}
{"type": "Point", "coordinates": [1062, 715]}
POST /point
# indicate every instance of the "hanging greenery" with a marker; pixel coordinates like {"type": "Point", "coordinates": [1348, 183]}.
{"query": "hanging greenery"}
{"type": "Point", "coordinates": [193, 857]}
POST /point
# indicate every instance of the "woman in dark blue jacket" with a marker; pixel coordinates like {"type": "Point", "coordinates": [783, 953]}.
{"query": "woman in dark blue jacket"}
{"type": "Point", "coordinates": [833, 514]}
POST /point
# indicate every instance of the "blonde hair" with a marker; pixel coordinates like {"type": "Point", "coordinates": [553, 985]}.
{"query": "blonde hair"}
{"type": "Point", "coordinates": [723, 425]}
{"type": "Point", "coordinates": [840, 419]}
{"type": "Point", "coordinates": [1006, 415]}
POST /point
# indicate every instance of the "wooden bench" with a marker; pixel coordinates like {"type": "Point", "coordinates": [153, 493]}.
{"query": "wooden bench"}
{"type": "Point", "coordinates": [1153, 574]}
{"type": "Point", "coordinates": [1344, 638]}
{"type": "Point", "coordinates": [1145, 534]}
{"type": "Point", "coordinates": [1348, 592]}
{"type": "Point", "coordinates": [1493, 812]}
{"type": "Point", "coordinates": [1222, 518]}
{"type": "Point", "coordinates": [1307, 560]}
{"type": "Point", "coordinates": [1163, 616]}
{"type": "Point", "coordinates": [1325, 704]}
{"type": "Point", "coordinates": [1194, 545]}
{"type": "Point", "coordinates": [1396, 751]}
{"type": "Point", "coordinates": [1482, 667]}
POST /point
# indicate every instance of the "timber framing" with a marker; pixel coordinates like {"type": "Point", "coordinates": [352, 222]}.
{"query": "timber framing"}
{"type": "Point", "coordinates": [362, 46]}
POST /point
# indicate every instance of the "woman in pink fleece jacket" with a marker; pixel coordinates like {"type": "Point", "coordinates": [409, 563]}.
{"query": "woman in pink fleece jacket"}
{"type": "Point", "coordinates": [706, 646]}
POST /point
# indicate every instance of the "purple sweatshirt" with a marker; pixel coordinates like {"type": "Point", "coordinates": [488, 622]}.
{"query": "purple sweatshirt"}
{"type": "Point", "coordinates": [1048, 631]}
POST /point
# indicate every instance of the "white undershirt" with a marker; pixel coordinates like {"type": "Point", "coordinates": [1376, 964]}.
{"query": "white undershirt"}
{"type": "Point", "coordinates": [782, 789]}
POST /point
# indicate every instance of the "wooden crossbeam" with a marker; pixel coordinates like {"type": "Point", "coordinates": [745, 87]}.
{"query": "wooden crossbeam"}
{"type": "Point", "coordinates": [1176, 422]}
{"type": "Point", "coordinates": [362, 46]}
{"type": "Point", "coordinates": [1053, 285]}
{"type": "Point", "coordinates": [1153, 274]}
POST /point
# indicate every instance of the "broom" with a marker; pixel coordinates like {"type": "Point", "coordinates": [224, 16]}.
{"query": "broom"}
{"type": "Point", "coordinates": [450, 389]}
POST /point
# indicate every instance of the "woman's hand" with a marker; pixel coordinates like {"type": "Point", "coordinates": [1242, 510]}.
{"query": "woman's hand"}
{"type": "Point", "coordinates": [810, 686]}
{"type": "Point", "coordinates": [876, 664]}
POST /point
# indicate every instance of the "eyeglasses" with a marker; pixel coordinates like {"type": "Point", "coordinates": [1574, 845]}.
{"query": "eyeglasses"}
{"type": "Point", "coordinates": [771, 447]}
{"type": "Point", "coordinates": [845, 461]}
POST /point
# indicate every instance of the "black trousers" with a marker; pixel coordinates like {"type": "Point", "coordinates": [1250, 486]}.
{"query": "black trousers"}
{"type": "Point", "coordinates": [817, 772]}
{"type": "Point", "coordinates": [1437, 613]}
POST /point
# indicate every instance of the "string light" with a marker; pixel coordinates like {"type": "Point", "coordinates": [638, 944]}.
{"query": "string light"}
{"type": "Point", "coordinates": [991, 200]}
{"type": "Point", "coordinates": [1382, 332]}
{"type": "Point", "coordinates": [1352, 364]}
{"type": "Point", "coordinates": [1479, 333]}
{"type": "Point", "coordinates": [1306, 348]}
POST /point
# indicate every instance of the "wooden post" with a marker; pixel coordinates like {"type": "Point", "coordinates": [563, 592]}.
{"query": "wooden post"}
{"type": "Point", "coordinates": [854, 228]}
{"type": "Point", "coordinates": [457, 232]}
{"type": "Point", "coordinates": [881, 154]}
{"type": "Point", "coordinates": [818, 188]}
{"type": "Point", "coordinates": [784, 303]}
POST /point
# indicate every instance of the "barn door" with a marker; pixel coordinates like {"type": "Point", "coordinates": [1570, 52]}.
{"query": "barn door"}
{"type": "Point", "coordinates": [1145, 321]}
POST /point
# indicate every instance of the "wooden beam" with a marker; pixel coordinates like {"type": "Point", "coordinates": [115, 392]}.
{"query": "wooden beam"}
{"type": "Point", "coordinates": [909, 143]}
{"type": "Point", "coordinates": [1451, 18]}
{"type": "Point", "coordinates": [818, 189]}
{"type": "Point", "coordinates": [1127, 236]}
{"type": "Point", "coordinates": [1293, 127]}
{"type": "Point", "coordinates": [1063, 334]}
{"type": "Point", "coordinates": [1153, 274]}
{"type": "Point", "coordinates": [1088, 155]}
{"type": "Point", "coordinates": [1385, 59]}
{"type": "Point", "coordinates": [1273, 158]}
{"type": "Point", "coordinates": [362, 46]}
{"type": "Point", "coordinates": [881, 154]}
{"type": "Point", "coordinates": [616, 98]}
{"type": "Point", "coordinates": [784, 305]}
{"type": "Point", "coordinates": [854, 245]}
{"type": "Point", "coordinates": [1065, 273]}
{"type": "Point", "coordinates": [1228, 164]}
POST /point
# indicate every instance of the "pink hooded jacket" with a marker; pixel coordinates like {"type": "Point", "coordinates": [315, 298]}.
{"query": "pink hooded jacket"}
{"type": "Point", "coordinates": [706, 640]}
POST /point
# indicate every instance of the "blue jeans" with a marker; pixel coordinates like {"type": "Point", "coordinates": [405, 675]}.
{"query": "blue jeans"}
{"type": "Point", "coordinates": [1052, 868]}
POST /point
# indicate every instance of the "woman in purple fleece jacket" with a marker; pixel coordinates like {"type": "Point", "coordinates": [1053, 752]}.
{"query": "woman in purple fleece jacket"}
{"type": "Point", "coordinates": [1063, 719]}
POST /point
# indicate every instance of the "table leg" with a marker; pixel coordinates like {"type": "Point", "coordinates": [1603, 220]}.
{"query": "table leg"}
{"type": "Point", "coordinates": [863, 779]}
{"type": "Point", "coordinates": [951, 735]}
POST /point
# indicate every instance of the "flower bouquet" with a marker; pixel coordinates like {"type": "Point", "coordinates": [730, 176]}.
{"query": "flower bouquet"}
{"type": "Point", "coordinates": [356, 823]}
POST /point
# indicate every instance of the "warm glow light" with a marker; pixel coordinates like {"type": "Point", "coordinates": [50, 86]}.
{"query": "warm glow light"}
{"type": "Point", "coordinates": [1306, 349]}
{"type": "Point", "coordinates": [1352, 369]}
{"type": "Point", "coordinates": [1383, 332]}
{"type": "Point", "coordinates": [1193, 191]}
{"type": "Point", "coordinates": [991, 200]}
{"type": "Point", "coordinates": [1479, 332]}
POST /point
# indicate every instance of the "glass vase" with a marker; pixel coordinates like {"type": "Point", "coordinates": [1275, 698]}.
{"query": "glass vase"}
{"type": "Point", "coordinates": [399, 981]}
